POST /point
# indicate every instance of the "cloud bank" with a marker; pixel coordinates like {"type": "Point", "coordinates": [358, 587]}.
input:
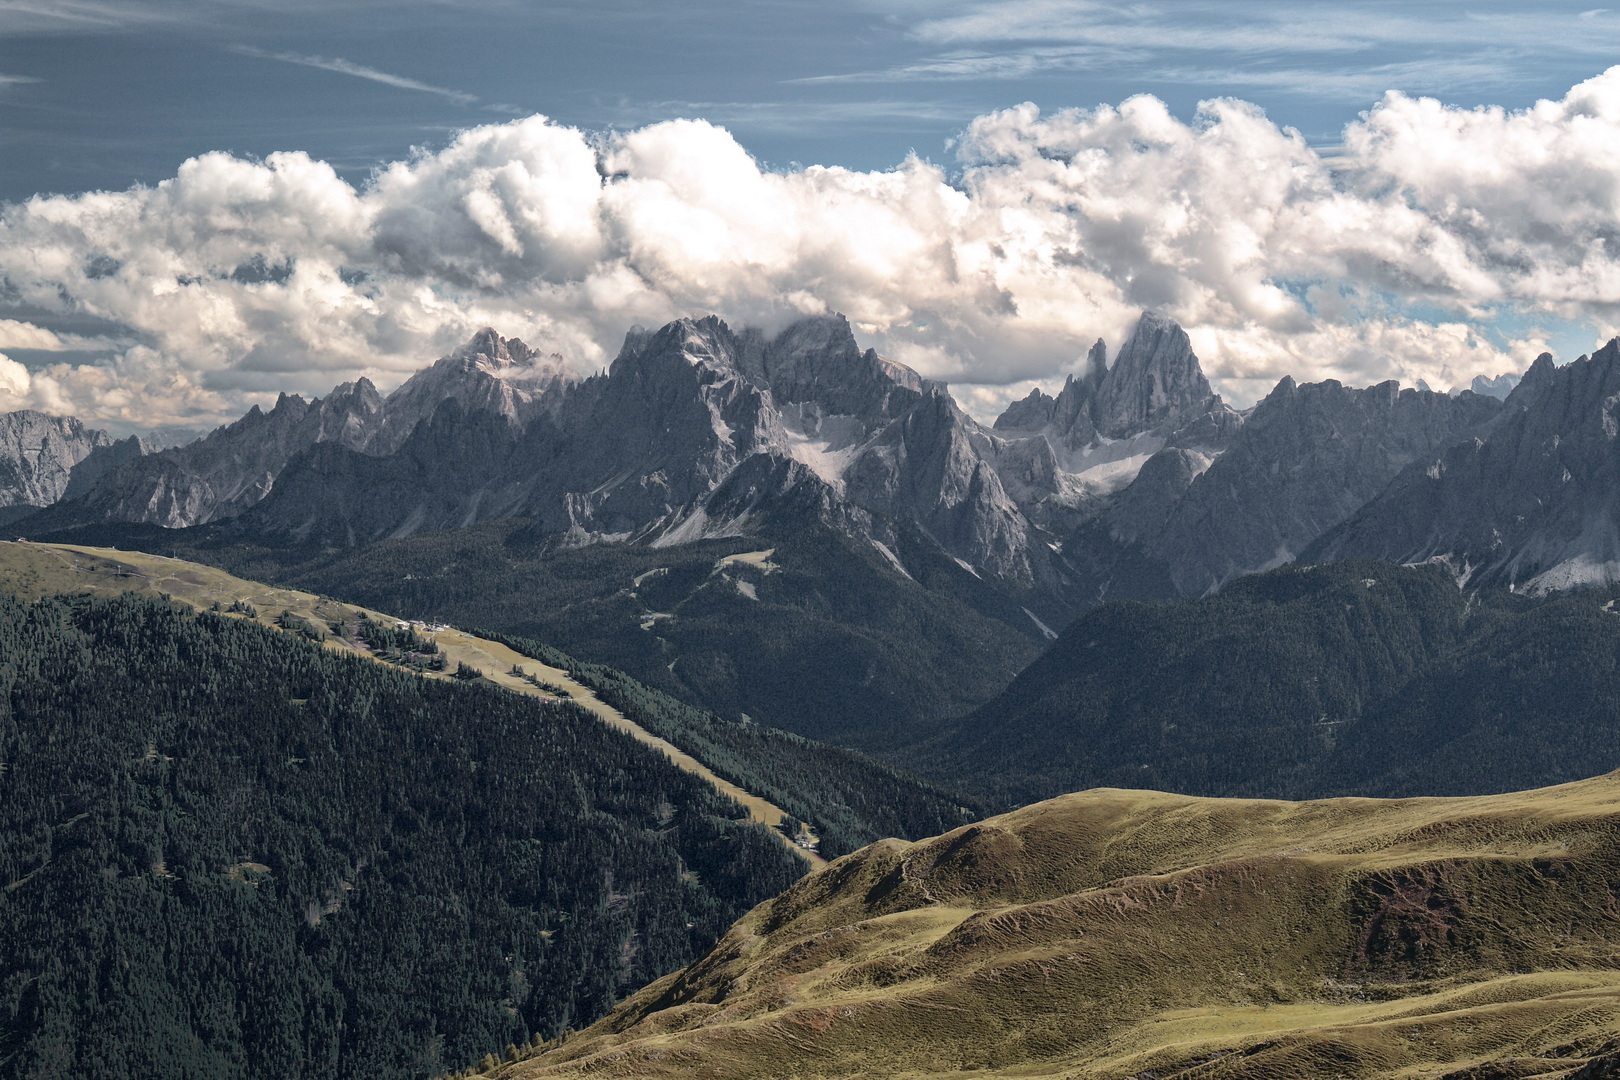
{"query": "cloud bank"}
{"type": "Point", "coordinates": [1392, 258]}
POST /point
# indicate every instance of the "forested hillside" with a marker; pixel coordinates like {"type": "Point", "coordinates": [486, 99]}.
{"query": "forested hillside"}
{"type": "Point", "coordinates": [849, 799]}
{"type": "Point", "coordinates": [228, 853]}
{"type": "Point", "coordinates": [823, 637]}
{"type": "Point", "coordinates": [1353, 678]}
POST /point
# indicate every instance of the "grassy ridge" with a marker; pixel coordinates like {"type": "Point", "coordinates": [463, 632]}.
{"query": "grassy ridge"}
{"type": "Point", "coordinates": [1116, 934]}
{"type": "Point", "coordinates": [847, 798]}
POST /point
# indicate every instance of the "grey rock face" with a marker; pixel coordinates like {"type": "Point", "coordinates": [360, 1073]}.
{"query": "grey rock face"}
{"type": "Point", "coordinates": [38, 454]}
{"type": "Point", "coordinates": [1499, 387]}
{"type": "Point", "coordinates": [101, 461]}
{"type": "Point", "coordinates": [1155, 382]}
{"type": "Point", "coordinates": [1062, 457]}
{"type": "Point", "coordinates": [694, 431]}
{"type": "Point", "coordinates": [1532, 502]}
{"type": "Point", "coordinates": [1308, 457]}
{"type": "Point", "coordinates": [490, 374]}
{"type": "Point", "coordinates": [234, 467]}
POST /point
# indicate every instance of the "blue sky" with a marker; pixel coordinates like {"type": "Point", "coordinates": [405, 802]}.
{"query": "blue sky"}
{"type": "Point", "coordinates": [383, 155]}
{"type": "Point", "coordinates": [102, 94]}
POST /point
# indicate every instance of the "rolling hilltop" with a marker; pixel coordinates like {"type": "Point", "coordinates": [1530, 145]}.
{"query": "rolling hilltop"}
{"type": "Point", "coordinates": [1119, 934]}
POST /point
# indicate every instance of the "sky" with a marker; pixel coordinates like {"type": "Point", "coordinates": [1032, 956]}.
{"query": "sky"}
{"type": "Point", "coordinates": [206, 202]}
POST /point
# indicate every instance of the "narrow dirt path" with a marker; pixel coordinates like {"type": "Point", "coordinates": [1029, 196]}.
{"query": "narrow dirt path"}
{"type": "Point", "coordinates": [36, 570]}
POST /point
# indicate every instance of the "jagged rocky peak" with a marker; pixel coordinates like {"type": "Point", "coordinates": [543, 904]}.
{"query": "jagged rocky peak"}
{"type": "Point", "coordinates": [1528, 503]}
{"type": "Point", "coordinates": [1060, 457]}
{"type": "Point", "coordinates": [506, 358]}
{"type": "Point", "coordinates": [1154, 383]}
{"type": "Point", "coordinates": [38, 454]}
{"type": "Point", "coordinates": [702, 345]}
{"type": "Point", "coordinates": [1499, 387]}
{"type": "Point", "coordinates": [491, 374]}
{"type": "Point", "coordinates": [816, 361]}
{"type": "Point", "coordinates": [1155, 379]}
{"type": "Point", "coordinates": [350, 414]}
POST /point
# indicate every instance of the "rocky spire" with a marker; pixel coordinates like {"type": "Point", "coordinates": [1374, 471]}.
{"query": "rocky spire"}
{"type": "Point", "coordinates": [1155, 382]}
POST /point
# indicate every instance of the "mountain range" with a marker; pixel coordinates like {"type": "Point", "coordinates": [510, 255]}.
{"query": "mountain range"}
{"type": "Point", "coordinates": [891, 506]}
{"type": "Point", "coordinates": [1127, 584]}
{"type": "Point", "coordinates": [1135, 479]}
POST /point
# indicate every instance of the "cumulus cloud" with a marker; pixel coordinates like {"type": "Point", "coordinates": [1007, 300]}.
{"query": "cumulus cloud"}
{"type": "Point", "coordinates": [1393, 258]}
{"type": "Point", "coordinates": [14, 384]}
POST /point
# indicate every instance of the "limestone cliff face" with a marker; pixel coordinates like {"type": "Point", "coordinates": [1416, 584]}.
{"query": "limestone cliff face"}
{"type": "Point", "coordinates": [660, 446]}
{"type": "Point", "coordinates": [1062, 457]}
{"type": "Point", "coordinates": [1135, 480]}
{"type": "Point", "coordinates": [1155, 382]}
{"type": "Point", "coordinates": [231, 469]}
{"type": "Point", "coordinates": [38, 454]}
{"type": "Point", "coordinates": [237, 466]}
{"type": "Point", "coordinates": [1306, 458]}
{"type": "Point", "coordinates": [1532, 502]}
{"type": "Point", "coordinates": [490, 374]}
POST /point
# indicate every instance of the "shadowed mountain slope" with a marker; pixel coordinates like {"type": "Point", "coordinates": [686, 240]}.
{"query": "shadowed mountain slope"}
{"type": "Point", "coordinates": [1346, 678]}
{"type": "Point", "coordinates": [1305, 458]}
{"type": "Point", "coordinates": [1532, 503]}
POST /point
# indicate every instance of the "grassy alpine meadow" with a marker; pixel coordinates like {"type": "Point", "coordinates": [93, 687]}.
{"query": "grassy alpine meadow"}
{"type": "Point", "coordinates": [1132, 934]}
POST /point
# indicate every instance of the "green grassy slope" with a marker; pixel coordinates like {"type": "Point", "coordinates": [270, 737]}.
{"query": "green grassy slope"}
{"type": "Point", "coordinates": [1117, 934]}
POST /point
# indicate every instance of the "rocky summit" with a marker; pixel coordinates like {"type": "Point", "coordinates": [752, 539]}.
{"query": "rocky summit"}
{"type": "Point", "coordinates": [1305, 459]}
{"type": "Point", "coordinates": [1134, 481]}
{"type": "Point", "coordinates": [1530, 502]}
{"type": "Point", "coordinates": [38, 454]}
{"type": "Point", "coordinates": [657, 449]}
{"type": "Point", "coordinates": [1063, 455]}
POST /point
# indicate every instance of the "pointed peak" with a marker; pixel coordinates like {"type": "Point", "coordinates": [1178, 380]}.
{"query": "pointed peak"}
{"type": "Point", "coordinates": [1153, 325]}
{"type": "Point", "coordinates": [485, 341]}
{"type": "Point", "coordinates": [821, 333]}
{"type": "Point", "coordinates": [1153, 320]}
{"type": "Point", "coordinates": [1096, 361]}
{"type": "Point", "coordinates": [1536, 379]}
{"type": "Point", "coordinates": [360, 394]}
{"type": "Point", "coordinates": [635, 340]}
{"type": "Point", "coordinates": [286, 403]}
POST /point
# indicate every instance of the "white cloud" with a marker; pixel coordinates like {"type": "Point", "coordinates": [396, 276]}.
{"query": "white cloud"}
{"type": "Point", "coordinates": [241, 278]}
{"type": "Point", "coordinates": [14, 384]}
